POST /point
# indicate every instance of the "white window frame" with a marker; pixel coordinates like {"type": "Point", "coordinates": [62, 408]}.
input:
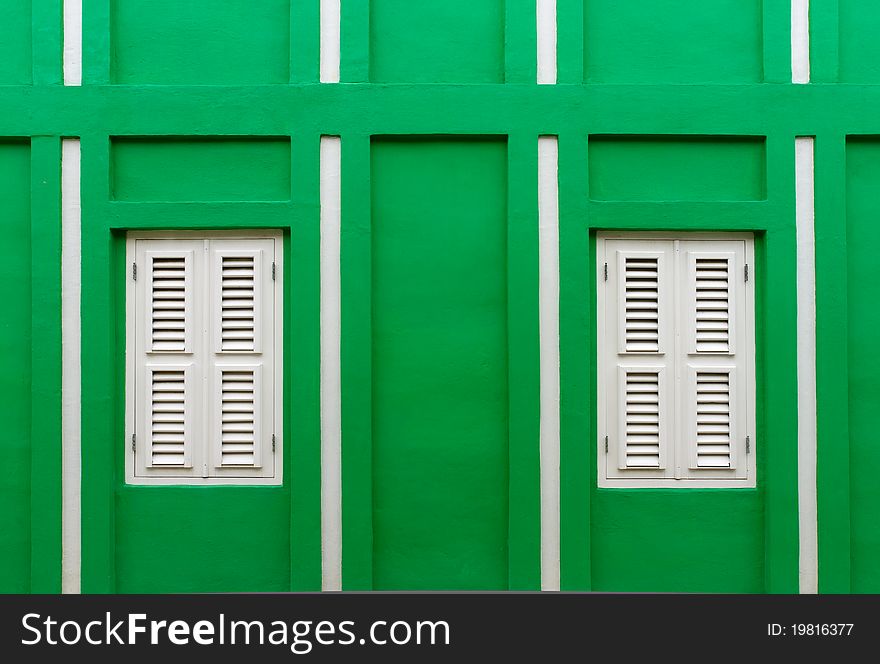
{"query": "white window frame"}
{"type": "Point", "coordinates": [205, 338]}
{"type": "Point", "coordinates": [674, 356]}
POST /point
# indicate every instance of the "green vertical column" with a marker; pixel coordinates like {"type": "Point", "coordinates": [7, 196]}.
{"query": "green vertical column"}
{"type": "Point", "coordinates": [520, 43]}
{"type": "Point", "coordinates": [524, 363]}
{"type": "Point", "coordinates": [302, 365]}
{"type": "Point", "coordinates": [96, 41]}
{"type": "Point", "coordinates": [832, 376]}
{"type": "Point", "coordinates": [102, 398]}
{"type": "Point", "coordinates": [777, 41]}
{"type": "Point", "coordinates": [305, 31]}
{"type": "Point", "coordinates": [354, 56]}
{"type": "Point", "coordinates": [779, 384]}
{"type": "Point", "coordinates": [577, 367]}
{"type": "Point", "coordinates": [16, 347]}
{"type": "Point", "coordinates": [46, 365]}
{"type": "Point", "coordinates": [356, 358]}
{"type": "Point", "coordinates": [570, 41]}
{"type": "Point", "coordinates": [824, 42]}
{"type": "Point", "coordinates": [47, 31]}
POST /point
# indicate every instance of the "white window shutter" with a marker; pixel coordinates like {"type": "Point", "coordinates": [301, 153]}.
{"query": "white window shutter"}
{"type": "Point", "coordinates": [637, 328]}
{"type": "Point", "coordinates": [717, 404]}
{"type": "Point", "coordinates": [242, 322]}
{"type": "Point", "coordinates": [165, 357]}
{"type": "Point", "coordinates": [676, 393]}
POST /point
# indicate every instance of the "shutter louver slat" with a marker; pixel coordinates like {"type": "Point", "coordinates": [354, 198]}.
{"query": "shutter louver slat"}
{"type": "Point", "coordinates": [642, 419]}
{"type": "Point", "coordinates": [238, 303]}
{"type": "Point", "coordinates": [168, 418]}
{"type": "Point", "coordinates": [713, 393]}
{"type": "Point", "coordinates": [712, 316]}
{"type": "Point", "coordinates": [238, 431]}
{"type": "Point", "coordinates": [641, 304]}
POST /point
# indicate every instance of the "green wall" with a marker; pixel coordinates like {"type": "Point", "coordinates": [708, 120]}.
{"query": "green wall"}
{"type": "Point", "coordinates": [670, 115]}
{"type": "Point", "coordinates": [440, 396]}
{"type": "Point", "coordinates": [15, 379]}
{"type": "Point", "coordinates": [862, 185]}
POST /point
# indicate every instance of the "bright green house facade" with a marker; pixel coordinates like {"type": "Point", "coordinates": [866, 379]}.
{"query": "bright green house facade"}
{"type": "Point", "coordinates": [671, 116]}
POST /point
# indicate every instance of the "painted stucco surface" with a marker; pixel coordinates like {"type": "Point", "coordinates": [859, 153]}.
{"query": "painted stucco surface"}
{"type": "Point", "coordinates": [440, 398]}
{"type": "Point", "coordinates": [15, 378]}
{"type": "Point", "coordinates": [863, 235]}
{"type": "Point", "coordinates": [205, 72]}
{"type": "Point", "coordinates": [669, 41]}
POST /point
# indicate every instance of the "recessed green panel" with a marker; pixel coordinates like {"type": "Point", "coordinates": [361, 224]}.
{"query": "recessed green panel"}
{"type": "Point", "coordinates": [863, 300]}
{"type": "Point", "coordinates": [677, 168]}
{"type": "Point", "coordinates": [437, 41]}
{"type": "Point", "coordinates": [201, 169]}
{"type": "Point", "coordinates": [440, 391]}
{"type": "Point", "coordinates": [15, 378]}
{"type": "Point", "coordinates": [199, 42]}
{"type": "Point", "coordinates": [859, 24]}
{"type": "Point", "coordinates": [15, 45]}
{"type": "Point", "coordinates": [673, 41]}
{"type": "Point", "coordinates": [202, 539]}
{"type": "Point", "coordinates": [679, 540]}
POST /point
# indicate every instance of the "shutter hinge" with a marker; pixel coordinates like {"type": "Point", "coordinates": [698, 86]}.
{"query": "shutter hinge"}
{"type": "Point", "coordinates": [133, 442]}
{"type": "Point", "coordinates": [605, 271]}
{"type": "Point", "coordinates": [746, 271]}
{"type": "Point", "coordinates": [273, 271]}
{"type": "Point", "coordinates": [606, 444]}
{"type": "Point", "coordinates": [748, 444]}
{"type": "Point", "coordinates": [134, 271]}
{"type": "Point", "coordinates": [273, 442]}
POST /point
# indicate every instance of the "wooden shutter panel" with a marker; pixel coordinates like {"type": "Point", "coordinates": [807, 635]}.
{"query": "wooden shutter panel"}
{"type": "Point", "coordinates": [636, 320]}
{"type": "Point", "coordinates": [165, 357]}
{"type": "Point", "coordinates": [715, 368]}
{"type": "Point", "coordinates": [242, 317]}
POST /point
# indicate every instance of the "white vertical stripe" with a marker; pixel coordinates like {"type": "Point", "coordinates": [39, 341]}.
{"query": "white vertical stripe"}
{"type": "Point", "coordinates": [70, 367]}
{"type": "Point", "coordinates": [330, 40]}
{"type": "Point", "coordinates": [806, 363]}
{"type": "Point", "coordinates": [331, 380]}
{"type": "Point", "coordinates": [548, 317]}
{"type": "Point", "coordinates": [72, 42]}
{"type": "Point", "coordinates": [546, 22]}
{"type": "Point", "coordinates": [800, 41]}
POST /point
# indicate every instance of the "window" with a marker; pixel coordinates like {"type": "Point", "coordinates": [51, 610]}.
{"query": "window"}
{"type": "Point", "coordinates": [203, 339]}
{"type": "Point", "coordinates": [676, 360]}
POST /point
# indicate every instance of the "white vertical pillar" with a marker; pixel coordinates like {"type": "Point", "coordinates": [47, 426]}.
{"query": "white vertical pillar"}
{"type": "Point", "coordinates": [800, 41]}
{"type": "Point", "coordinates": [806, 363]}
{"type": "Point", "coordinates": [330, 40]}
{"type": "Point", "coordinates": [71, 374]}
{"type": "Point", "coordinates": [546, 23]}
{"type": "Point", "coordinates": [548, 316]}
{"type": "Point", "coordinates": [72, 21]}
{"type": "Point", "coordinates": [331, 377]}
